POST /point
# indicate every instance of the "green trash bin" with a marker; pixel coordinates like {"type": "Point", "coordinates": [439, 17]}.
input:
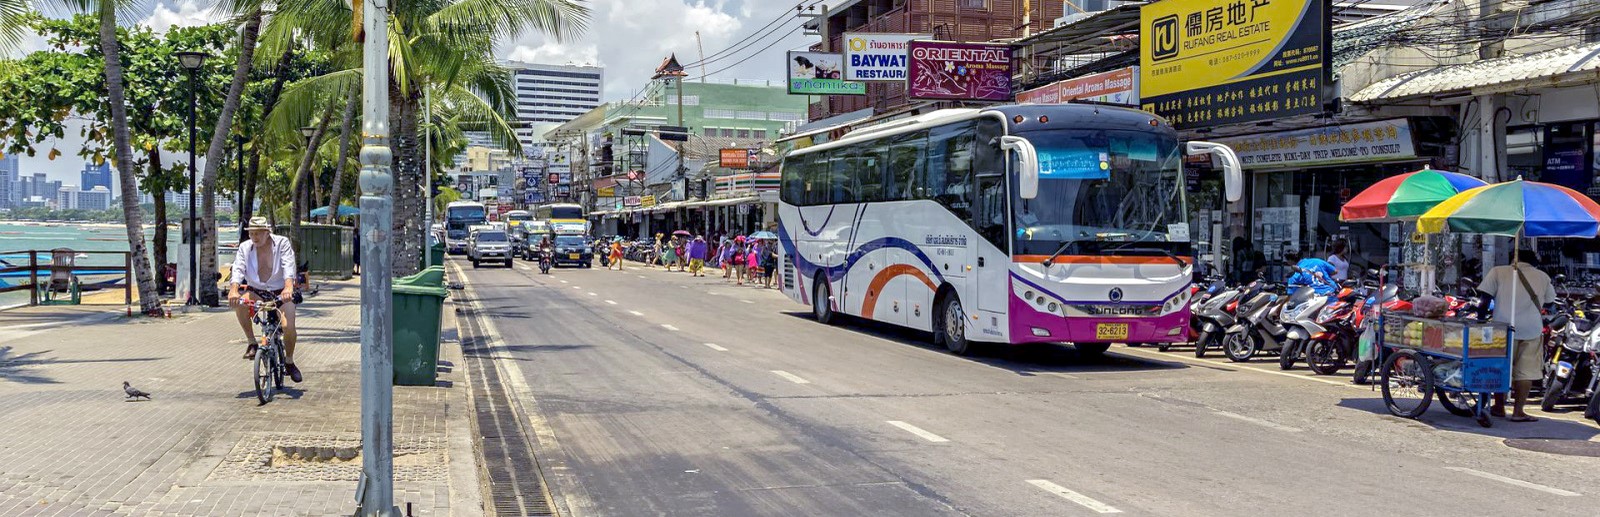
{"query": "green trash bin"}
{"type": "Point", "coordinates": [418, 306]}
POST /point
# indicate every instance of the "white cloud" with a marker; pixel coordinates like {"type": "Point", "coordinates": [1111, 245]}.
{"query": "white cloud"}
{"type": "Point", "coordinates": [631, 37]}
{"type": "Point", "coordinates": [187, 14]}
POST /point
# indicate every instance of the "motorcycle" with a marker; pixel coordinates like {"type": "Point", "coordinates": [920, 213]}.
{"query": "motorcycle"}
{"type": "Point", "coordinates": [1258, 329]}
{"type": "Point", "coordinates": [1299, 318]}
{"type": "Point", "coordinates": [1215, 316]}
{"type": "Point", "coordinates": [1197, 297]}
{"type": "Point", "coordinates": [1573, 370]}
{"type": "Point", "coordinates": [1330, 350]}
{"type": "Point", "coordinates": [546, 257]}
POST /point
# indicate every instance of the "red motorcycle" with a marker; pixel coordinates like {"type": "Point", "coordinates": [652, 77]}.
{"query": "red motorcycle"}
{"type": "Point", "coordinates": [1345, 319]}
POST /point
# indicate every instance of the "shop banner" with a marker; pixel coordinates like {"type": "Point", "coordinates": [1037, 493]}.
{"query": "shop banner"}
{"type": "Point", "coordinates": [631, 201]}
{"type": "Point", "coordinates": [877, 57]}
{"type": "Point", "coordinates": [606, 192]}
{"type": "Point", "coordinates": [647, 201]}
{"type": "Point", "coordinates": [1207, 63]}
{"type": "Point", "coordinates": [959, 71]}
{"type": "Point", "coordinates": [1115, 87]}
{"type": "Point", "coordinates": [1366, 142]}
{"type": "Point", "coordinates": [737, 158]}
{"type": "Point", "coordinates": [817, 73]}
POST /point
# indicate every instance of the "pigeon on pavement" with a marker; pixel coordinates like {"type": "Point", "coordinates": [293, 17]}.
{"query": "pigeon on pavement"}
{"type": "Point", "coordinates": [133, 393]}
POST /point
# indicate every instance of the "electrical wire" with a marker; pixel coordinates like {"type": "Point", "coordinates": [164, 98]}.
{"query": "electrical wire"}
{"type": "Point", "coordinates": [748, 41]}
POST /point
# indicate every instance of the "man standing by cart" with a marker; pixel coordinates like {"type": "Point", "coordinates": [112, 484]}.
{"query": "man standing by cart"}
{"type": "Point", "coordinates": [1519, 290]}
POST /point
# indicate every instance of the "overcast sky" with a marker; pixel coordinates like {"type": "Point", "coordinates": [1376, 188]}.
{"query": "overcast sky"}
{"type": "Point", "coordinates": [628, 37]}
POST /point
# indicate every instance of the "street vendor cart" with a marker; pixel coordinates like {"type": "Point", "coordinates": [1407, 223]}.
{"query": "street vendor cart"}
{"type": "Point", "coordinates": [1461, 362]}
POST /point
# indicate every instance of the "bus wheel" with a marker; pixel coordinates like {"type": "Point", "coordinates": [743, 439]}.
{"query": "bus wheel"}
{"type": "Point", "coordinates": [955, 330]}
{"type": "Point", "coordinates": [819, 302]}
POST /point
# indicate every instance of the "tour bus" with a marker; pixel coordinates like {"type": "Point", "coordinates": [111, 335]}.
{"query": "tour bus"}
{"type": "Point", "coordinates": [1010, 224]}
{"type": "Point", "coordinates": [562, 218]}
{"type": "Point", "coordinates": [458, 217]}
{"type": "Point", "coordinates": [516, 217]}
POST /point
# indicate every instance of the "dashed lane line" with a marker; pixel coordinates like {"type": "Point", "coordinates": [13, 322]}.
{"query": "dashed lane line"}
{"type": "Point", "coordinates": [1257, 421]}
{"type": "Point", "coordinates": [1515, 482]}
{"type": "Point", "coordinates": [1082, 500]}
{"type": "Point", "coordinates": [790, 377]}
{"type": "Point", "coordinates": [714, 346]}
{"type": "Point", "coordinates": [918, 431]}
{"type": "Point", "coordinates": [636, 313]}
{"type": "Point", "coordinates": [612, 302]}
{"type": "Point", "coordinates": [592, 293]}
{"type": "Point", "coordinates": [669, 327]}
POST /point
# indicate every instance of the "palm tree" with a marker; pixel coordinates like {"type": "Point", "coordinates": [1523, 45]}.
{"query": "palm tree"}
{"type": "Point", "coordinates": [446, 46]}
{"type": "Point", "coordinates": [219, 138]}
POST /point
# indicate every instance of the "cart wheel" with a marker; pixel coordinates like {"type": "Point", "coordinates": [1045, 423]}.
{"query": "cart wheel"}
{"type": "Point", "coordinates": [1459, 403]}
{"type": "Point", "coordinates": [1407, 383]}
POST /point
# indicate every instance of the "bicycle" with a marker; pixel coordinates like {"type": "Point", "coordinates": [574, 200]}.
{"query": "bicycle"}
{"type": "Point", "coordinates": [270, 362]}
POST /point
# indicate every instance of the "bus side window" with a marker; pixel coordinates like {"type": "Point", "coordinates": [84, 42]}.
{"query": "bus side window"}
{"type": "Point", "coordinates": [949, 178]}
{"type": "Point", "coordinates": [816, 174]}
{"type": "Point", "coordinates": [794, 186]}
{"type": "Point", "coordinates": [841, 175]}
{"type": "Point", "coordinates": [905, 166]}
{"type": "Point", "coordinates": [870, 171]}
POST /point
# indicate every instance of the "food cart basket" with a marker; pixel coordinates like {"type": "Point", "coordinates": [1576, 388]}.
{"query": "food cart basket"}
{"type": "Point", "coordinates": [1460, 362]}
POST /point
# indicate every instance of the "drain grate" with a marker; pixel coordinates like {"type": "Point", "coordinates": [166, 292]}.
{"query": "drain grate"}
{"type": "Point", "coordinates": [516, 485]}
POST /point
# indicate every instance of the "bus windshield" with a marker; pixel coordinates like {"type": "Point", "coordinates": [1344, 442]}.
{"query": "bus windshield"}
{"type": "Point", "coordinates": [566, 212]}
{"type": "Point", "coordinates": [468, 213]}
{"type": "Point", "coordinates": [1103, 192]}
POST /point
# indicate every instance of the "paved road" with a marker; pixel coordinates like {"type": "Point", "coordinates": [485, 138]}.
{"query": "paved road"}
{"type": "Point", "coordinates": [657, 393]}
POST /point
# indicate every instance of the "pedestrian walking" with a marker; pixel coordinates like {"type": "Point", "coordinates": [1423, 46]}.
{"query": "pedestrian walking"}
{"type": "Point", "coordinates": [655, 252]}
{"type": "Point", "coordinates": [679, 250]}
{"type": "Point", "coordinates": [697, 256]}
{"type": "Point", "coordinates": [616, 254]}
{"type": "Point", "coordinates": [669, 255]}
{"type": "Point", "coordinates": [725, 257]}
{"type": "Point", "coordinates": [769, 264]}
{"type": "Point", "coordinates": [738, 260]}
{"type": "Point", "coordinates": [752, 261]}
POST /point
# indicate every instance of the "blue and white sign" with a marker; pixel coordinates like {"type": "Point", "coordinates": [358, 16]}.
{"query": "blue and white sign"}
{"type": "Point", "coordinates": [877, 57]}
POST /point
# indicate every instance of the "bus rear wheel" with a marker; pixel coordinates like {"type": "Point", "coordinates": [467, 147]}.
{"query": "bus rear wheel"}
{"type": "Point", "coordinates": [953, 326]}
{"type": "Point", "coordinates": [819, 302]}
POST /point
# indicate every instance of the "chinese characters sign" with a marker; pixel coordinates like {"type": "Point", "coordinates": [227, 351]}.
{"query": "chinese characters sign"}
{"type": "Point", "coordinates": [959, 71]}
{"type": "Point", "coordinates": [1206, 63]}
{"type": "Point", "coordinates": [816, 73]}
{"type": "Point", "coordinates": [1380, 141]}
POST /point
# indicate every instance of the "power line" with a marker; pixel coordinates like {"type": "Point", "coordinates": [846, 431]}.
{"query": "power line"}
{"type": "Point", "coordinates": [757, 53]}
{"type": "Point", "coordinates": [747, 41]}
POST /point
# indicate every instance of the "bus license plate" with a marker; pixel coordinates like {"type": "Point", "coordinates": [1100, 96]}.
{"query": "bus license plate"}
{"type": "Point", "coordinates": [573, 256]}
{"type": "Point", "coordinates": [1111, 331]}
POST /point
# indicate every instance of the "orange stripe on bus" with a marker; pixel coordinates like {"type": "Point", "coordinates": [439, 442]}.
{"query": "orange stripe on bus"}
{"type": "Point", "coordinates": [875, 289]}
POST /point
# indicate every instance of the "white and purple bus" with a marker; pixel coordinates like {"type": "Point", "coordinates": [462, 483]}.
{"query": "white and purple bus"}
{"type": "Point", "coordinates": [1011, 224]}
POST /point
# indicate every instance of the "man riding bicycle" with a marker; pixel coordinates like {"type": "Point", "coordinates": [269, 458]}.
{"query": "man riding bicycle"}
{"type": "Point", "coordinates": [264, 268]}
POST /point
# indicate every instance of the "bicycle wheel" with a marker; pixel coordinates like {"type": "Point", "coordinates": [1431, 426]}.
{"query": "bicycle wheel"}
{"type": "Point", "coordinates": [263, 375]}
{"type": "Point", "coordinates": [1407, 383]}
{"type": "Point", "coordinates": [280, 364]}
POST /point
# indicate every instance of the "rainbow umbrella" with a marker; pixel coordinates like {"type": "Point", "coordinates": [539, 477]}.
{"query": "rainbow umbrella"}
{"type": "Point", "coordinates": [1516, 209]}
{"type": "Point", "coordinates": [1405, 196]}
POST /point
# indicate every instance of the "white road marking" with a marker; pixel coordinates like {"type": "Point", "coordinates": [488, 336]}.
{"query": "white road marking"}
{"type": "Point", "coordinates": [918, 431]}
{"type": "Point", "coordinates": [1082, 500]}
{"type": "Point", "coordinates": [1242, 366]}
{"type": "Point", "coordinates": [1257, 421]}
{"type": "Point", "coordinates": [1517, 482]}
{"type": "Point", "coordinates": [640, 276]}
{"type": "Point", "coordinates": [524, 267]}
{"type": "Point", "coordinates": [714, 346]}
{"type": "Point", "coordinates": [591, 293]}
{"type": "Point", "coordinates": [563, 281]}
{"type": "Point", "coordinates": [636, 313]}
{"type": "Point", "coordinates": [792, 378]}
{"type": "Point", "coordinates": [576, 287]}
{"type": "Point", "coordinates": [747, 301]}
{"type": "Point", "coordinates": [612, 302]}
{"type": "Point", "coordinates": [669, 327]}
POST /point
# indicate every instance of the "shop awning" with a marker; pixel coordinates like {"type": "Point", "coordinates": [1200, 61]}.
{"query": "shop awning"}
{"type": "Point", "coordinates": [1559, 67]}
{"type": "Point", "coordinates": [666, 206]}
{"type": "Point", "coordinates": [734, 201]}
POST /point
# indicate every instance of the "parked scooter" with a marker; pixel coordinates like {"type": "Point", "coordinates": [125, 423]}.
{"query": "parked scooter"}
{"type": "Point", "coordinates": [1257, 329]}
{"type": "Point", "coordinates": [1214, 317]}
{"type": "Point", "coordinates": [1299, 318]}
{"type": "Point", "coordinates": [1197, 297]}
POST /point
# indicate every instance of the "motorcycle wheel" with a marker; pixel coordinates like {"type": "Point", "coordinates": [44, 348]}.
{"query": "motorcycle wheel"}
{"type": "Point", "coordinates": [1593, 411]}
{"type": "Point", "coordinates": [1553, 393]}
{"type": "Point", "coordinates": [1324, 357]}
{"type": "Point", "coordinates": [1363, 372]}
{"type": "Point", "coordinates": [1287, 357]}
{"type": "Point", "coordinates": [1207, 340]}
{"type": "Point", "coordinates": [1163, 347]}
{"type": "Point", "coordinates": [1239, 346]}
{"type": "Point", "coordinates": [1459, 403]}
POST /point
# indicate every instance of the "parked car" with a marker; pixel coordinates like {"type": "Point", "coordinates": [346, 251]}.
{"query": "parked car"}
{"type": "Point", "coordinates": [489, 245]}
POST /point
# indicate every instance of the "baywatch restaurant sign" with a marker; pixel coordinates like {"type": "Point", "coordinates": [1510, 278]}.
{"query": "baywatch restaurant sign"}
{"type": "Point", "coordinates": [877, 57]}
{"type": "Point", "coordinates": [1366, 142]}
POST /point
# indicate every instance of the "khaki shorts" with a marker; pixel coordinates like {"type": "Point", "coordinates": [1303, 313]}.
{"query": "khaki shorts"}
{"type": "Point", "coordinates": [1528, 362]}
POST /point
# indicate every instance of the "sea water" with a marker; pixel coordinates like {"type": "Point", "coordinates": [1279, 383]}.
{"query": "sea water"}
{"type": "Point", "coordinates": [21, 236]}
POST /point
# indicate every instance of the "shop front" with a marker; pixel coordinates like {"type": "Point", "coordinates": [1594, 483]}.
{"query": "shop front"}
{"type": "Point", "coordinates": [1300, 178]}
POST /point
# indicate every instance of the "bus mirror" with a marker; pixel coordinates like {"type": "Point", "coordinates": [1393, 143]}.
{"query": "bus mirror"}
{"type": "Point", "coordinates": [1232, 171]}
{"type": "Point", "coordinates": [1027, 165]}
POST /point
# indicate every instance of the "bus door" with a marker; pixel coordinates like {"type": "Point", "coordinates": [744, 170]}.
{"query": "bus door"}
{"type": "Point", "coordinates": [991, 261]}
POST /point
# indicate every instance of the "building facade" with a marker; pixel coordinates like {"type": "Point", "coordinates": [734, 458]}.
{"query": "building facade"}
{"type": "Point", "coordinates": [10, 170]}
{"type": "Point", "coordinates": [550, 95]}
{"type": "Point", "coordinates": [95, 176]}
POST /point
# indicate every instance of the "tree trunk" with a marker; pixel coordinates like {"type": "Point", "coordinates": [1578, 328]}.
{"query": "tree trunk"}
{"type": "Point", "coordinates": [350, 104]}
{"type": "Point", "coordinates": [215, 156]}
{"type": "Point", "coordinates": [299, 201]}
{"type": "Point", "coordinates": [159, 241]}
{"type": "Point", "coordinates": [149, 300]}
{"type": "Point", "coordinates": [407, 170]}
{"type": "Point", "coordinates": [254, 167]}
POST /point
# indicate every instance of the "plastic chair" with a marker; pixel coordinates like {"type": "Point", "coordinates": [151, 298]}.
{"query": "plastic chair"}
{"type": "Point", "coordinates": [62, 280]}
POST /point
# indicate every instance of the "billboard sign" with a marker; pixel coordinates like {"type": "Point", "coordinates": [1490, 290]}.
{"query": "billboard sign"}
{"type": "Point", "coordinates": [1380, 141]}
{"type": "Point", "coordinates": [959, 71]}
{"type": "Point", "coordinates": [1206, 63]}
{"type": "Point", "coordinates": [647, 201]}
{"type": "Point", "coordinates": [817, 73]}
{"type": "Point", "coordinates": [736, 158]}
{"type": "Point", "coordinates": [1116, 87]}
{"type": "Point", "coordinates": [632, 201]}
{"type": "Point", "coordinates": [877, 57]}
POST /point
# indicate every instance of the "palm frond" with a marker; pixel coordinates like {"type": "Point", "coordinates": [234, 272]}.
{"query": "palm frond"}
{"type": "Point", "coordinates": [298, 103]}
{"type": "Point", "coordinates": [507, 19]}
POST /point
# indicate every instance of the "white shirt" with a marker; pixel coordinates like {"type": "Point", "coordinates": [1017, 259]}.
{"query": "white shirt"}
{"type": "Point", "coordinates": [1509, 296]}
{"type": "Point", "coordinates": [269, 277]}
{"type": "Point", "coordinates": [1341, 267]}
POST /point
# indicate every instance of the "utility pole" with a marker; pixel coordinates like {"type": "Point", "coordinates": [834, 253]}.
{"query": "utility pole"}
{"type": "Point", "coordinates": [1027, 17]}
{"type": "Point", "coordinates": [375, 490]}
{"type": "Point", "coordinates": [427, 175]}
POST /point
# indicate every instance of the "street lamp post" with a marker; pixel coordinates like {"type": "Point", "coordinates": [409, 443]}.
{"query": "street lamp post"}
{"type": "Point", "coordinates": [302, 191]}
{"type": "Point", "coordinates": [376, 487]}
{"type": "Point", "coordinates": [192, 61]}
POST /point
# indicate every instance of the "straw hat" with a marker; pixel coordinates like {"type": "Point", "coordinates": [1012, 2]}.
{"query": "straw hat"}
{"type": "Point", "coordinates": [258, 223]}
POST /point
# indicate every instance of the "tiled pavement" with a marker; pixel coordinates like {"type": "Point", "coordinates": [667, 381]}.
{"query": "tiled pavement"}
{"type": "Point", "coordinates": [70, 445]}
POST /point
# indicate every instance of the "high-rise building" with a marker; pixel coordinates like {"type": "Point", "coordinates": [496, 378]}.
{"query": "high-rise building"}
{"type": "Point", "coordinates": [95, 176]}
{"type": "Point", "coordinates": [549, 95]}
{"type": "Point", "coordinates": [8, 179]}
{"type": "Point", "coordinates": [67, 198]}
{"type": "Point", "coordinates": [36, 187]}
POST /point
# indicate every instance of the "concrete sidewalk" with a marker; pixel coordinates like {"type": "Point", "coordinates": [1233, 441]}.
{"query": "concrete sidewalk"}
{"type": "Point", "coordinates": [70, 445]}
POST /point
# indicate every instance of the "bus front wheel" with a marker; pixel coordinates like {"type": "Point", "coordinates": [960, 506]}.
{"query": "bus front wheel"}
{"type": "Point", "coordinates": [953, 322]}
{"type": "Point", "coordinates": [819, 302]}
